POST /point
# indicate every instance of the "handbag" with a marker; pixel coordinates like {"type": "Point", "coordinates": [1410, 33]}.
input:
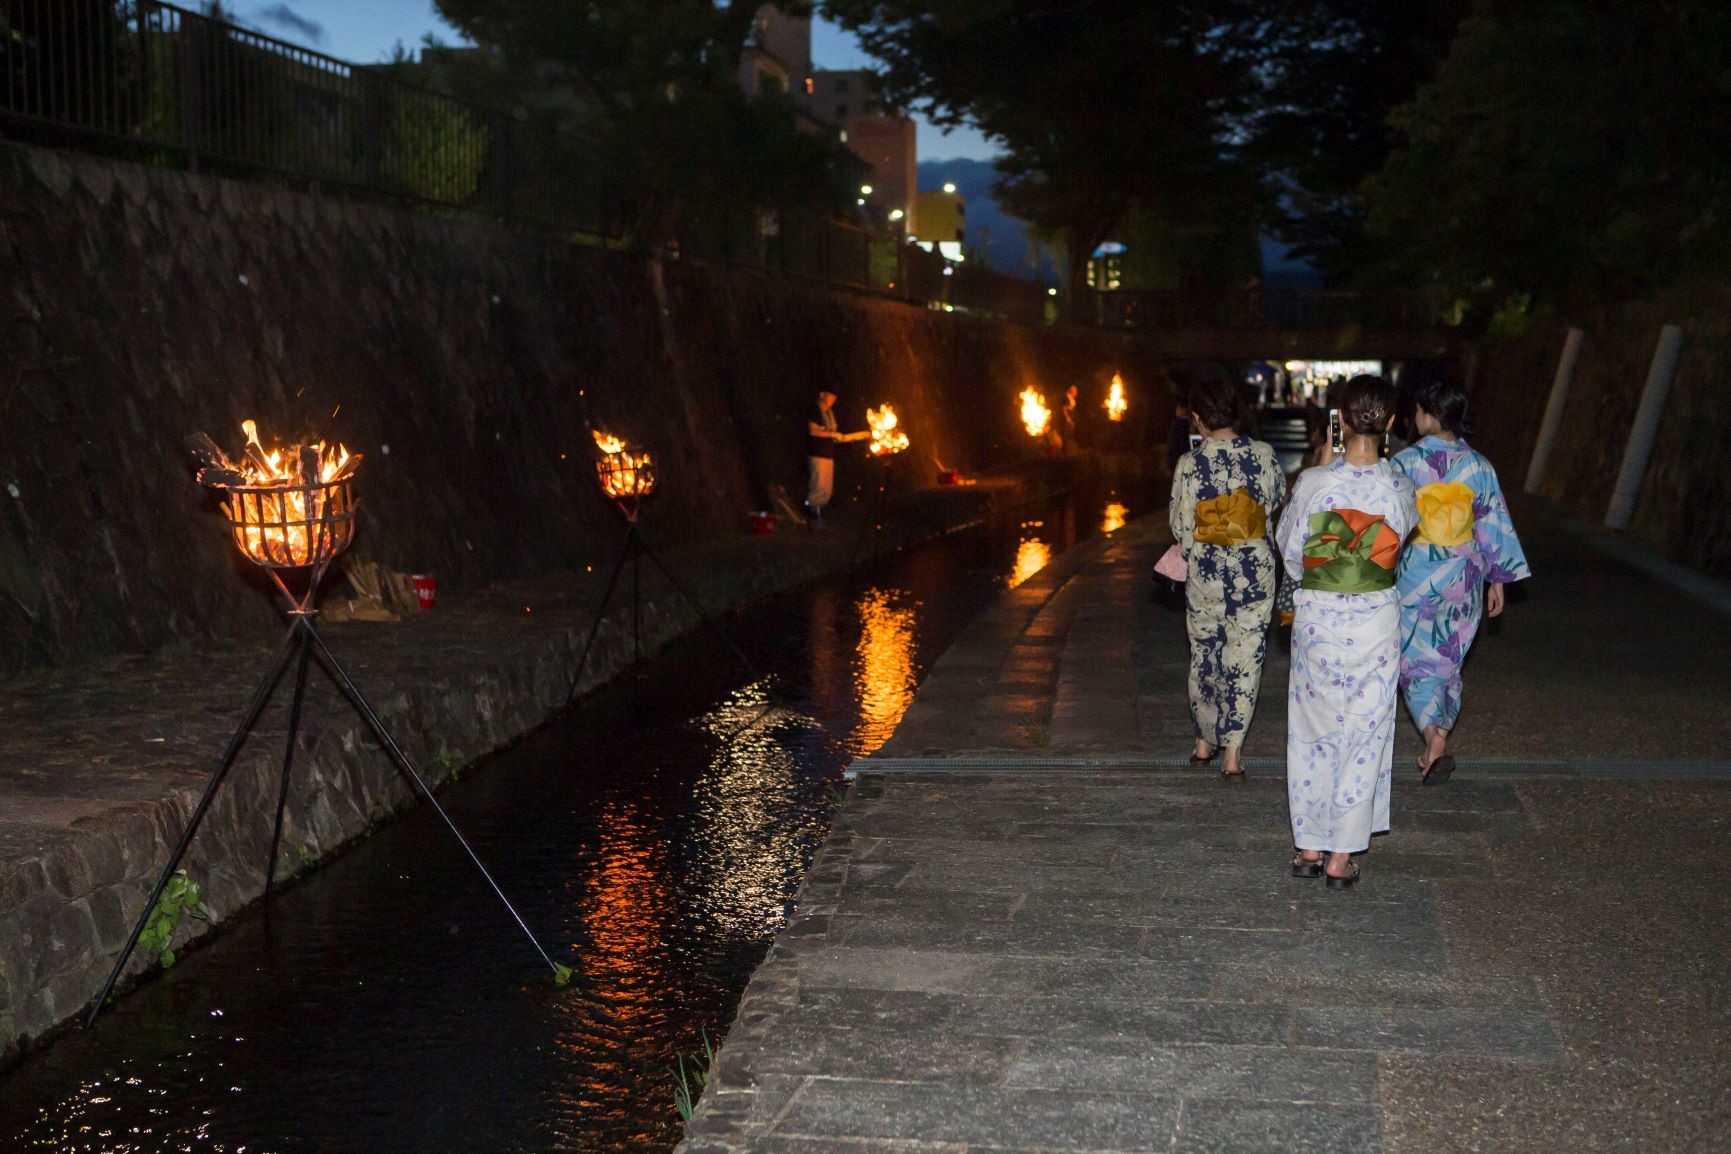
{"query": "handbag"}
{"type": "Point", "coordinates": [1170, 573]}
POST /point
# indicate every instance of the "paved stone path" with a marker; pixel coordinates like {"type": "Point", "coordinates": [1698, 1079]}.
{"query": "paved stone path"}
{"type": "Point", "coordinates": [1002, 949]}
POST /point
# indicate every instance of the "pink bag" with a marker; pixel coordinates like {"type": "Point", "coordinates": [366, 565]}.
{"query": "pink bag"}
{"type": "Point", "coordinates": [1171, 565]}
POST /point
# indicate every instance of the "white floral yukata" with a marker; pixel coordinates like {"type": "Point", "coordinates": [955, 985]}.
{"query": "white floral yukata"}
{"type": "Point", "coordinates": [1341, 535]}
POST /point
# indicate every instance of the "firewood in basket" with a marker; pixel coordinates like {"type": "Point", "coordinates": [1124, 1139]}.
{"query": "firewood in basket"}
{"type": "Point", "coordinates": [309, 464]}
{"type": "Point", "coordinates": [220, 477]}
{"type": "Point", "coordinates": [210, 454]}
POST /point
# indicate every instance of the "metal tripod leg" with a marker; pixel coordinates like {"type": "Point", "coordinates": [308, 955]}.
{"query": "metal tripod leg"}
{"type": "Point", "coordinates": [601, 612]}
{"type": "Point", "coordinates": [353, 692]}
{"type": "Point", "coordinates": [253, 709]}
{"type": "Point", "coordinates": [288, 756]}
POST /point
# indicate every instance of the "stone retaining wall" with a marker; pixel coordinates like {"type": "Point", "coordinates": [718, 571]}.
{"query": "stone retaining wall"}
{"type": "Point", "coordinates": [1684, 509]}
{"type": "Point", "coordinates": [467, 360]}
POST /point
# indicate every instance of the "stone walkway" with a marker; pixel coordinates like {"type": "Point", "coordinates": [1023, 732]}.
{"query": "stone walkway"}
{"type": "Point", "coordinates": [1025, 935]}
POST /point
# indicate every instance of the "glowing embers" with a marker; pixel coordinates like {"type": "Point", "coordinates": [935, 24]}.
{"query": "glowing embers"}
{"type": "Point", "coordinates": [287, 508]}
{"type": "Point", "coordinates": [625, 477]}
{"type": "Point", "coordinates": [884, 670]}
{"type": "Point", "coordinates": [887, 437]}
{"type": "Point", "coordinates": [1036, 417]}
{"type": "Point", "coordinates": [1116, 404]}
{"type": "Point", "coordinates": [1032, 555]}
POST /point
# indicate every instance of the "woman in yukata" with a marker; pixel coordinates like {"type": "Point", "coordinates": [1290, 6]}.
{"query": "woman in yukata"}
{"type": "Point", "coordinates": [1465, 542]}
{"type": "Point", "coordinates": [1224, 493]}
{"type": "Point", "coordinates": [1340, 538]}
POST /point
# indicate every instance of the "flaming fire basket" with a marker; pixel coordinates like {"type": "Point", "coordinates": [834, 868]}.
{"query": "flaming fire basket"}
{"type": "Point", "coordinates": [627, 478]}
{"type": "Point", "coordinates": [292, 510]}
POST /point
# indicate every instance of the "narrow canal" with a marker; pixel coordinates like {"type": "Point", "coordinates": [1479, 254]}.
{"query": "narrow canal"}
{"type": "Point", "coordinates": [658, 832]}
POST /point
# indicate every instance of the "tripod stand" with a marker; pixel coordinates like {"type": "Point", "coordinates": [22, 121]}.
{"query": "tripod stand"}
{"type": "Point", "coordinates": [299, 647]}
{"type": "Point", "coordinates": [634, 549]}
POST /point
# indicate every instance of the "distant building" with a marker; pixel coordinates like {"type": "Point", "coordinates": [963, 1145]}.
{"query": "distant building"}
{"type": "Point", "coordinates": [879, 135]}
{"type": "Point", "coordinates": [940, 221]}
{"type": "Point", "coordinates": [777, 58]}
{"type": "Point", "coordinates": [835, 96]}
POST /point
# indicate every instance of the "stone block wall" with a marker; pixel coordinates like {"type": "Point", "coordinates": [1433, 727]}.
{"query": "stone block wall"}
{"type": "Point", "coordinates": [467, 360]}
{"type": "Point", "coordinates": [1684, 508]}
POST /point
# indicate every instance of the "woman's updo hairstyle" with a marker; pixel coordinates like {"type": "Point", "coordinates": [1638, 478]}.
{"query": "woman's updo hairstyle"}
{"type": "Point", "coordinates": [1366, 403]}
{"type": "Point", "coordinates": [1214, 400]}
{"type": "Point", "coordinates": [1446, 400]}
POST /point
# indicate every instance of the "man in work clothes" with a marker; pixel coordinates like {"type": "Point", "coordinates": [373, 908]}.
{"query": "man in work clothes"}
{"type": "Point", "coordinates": [821, 439]}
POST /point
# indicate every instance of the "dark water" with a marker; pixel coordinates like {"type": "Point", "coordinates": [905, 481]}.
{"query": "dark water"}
{"type": "Point", "coordinates": [387, 1003]}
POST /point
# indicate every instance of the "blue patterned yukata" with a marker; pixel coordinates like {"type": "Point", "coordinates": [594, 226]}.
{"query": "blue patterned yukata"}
{"type": "Point", "coordinates": [1340, 537]}
{"type": "Point", "coordinates": [1465, 539]}
{"type": "Point", "coordinates": [1224, 494]}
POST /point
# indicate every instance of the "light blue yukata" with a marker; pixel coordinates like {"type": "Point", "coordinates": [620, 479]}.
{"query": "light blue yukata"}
{"type": "Point", "coordinates": [1442, 586]}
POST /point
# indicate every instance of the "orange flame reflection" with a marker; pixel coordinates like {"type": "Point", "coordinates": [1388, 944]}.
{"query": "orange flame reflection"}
{"type": "Point", "coordinates": [885, 669]}
{"type": "Point", "coordinates": [1032, 555]}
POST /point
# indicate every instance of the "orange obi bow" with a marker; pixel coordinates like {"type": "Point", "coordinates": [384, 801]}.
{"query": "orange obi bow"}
{"type": "Point", "coordinates": [1445, 514]}
{"type": "Point", "coordinates": [1236, 518]}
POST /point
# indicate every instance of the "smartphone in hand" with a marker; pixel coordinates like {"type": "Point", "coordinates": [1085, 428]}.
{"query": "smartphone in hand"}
{"type": "Point", "coordinates": [1195, 441]}
{"type": "Point", "coordinates": [1336, 432]}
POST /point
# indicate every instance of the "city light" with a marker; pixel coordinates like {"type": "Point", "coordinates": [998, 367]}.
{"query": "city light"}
{"type": "Point", "coordinates": [865, 190]}
{"type": "Point", "coordinates": [1051, 292]}
{"type": "Point", "coordinates": [950, 188]}
{"type": "Point", "coordinates": [897, 214]}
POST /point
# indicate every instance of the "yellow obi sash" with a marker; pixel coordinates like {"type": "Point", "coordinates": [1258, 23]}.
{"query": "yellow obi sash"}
{"type": "Point", "coordinates": [1236, 518]}
{"type": "Point", "coordinates": [1445, 514]}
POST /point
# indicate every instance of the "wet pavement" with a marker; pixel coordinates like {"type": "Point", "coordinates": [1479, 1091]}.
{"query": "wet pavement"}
{"type": "Point", "coordinates": [1032, 928]}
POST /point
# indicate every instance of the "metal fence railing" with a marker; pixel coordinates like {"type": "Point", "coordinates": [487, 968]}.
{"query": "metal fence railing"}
{"type": "Point", "coordinates": [160, 83]}
{"type": "Point", "coordinates": [1256, 307]}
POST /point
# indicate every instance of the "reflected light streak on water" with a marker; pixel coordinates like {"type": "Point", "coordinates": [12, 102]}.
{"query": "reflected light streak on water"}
{"type": "Point", "coordinates": [746, 849]}
{"type": "Point", "coordinates": [885, 666]}
{"type": "Point", "coordinates": [1032, 555]}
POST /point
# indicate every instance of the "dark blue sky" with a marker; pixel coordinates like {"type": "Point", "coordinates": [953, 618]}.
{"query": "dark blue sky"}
{"type": "Point", "coordinates": [365, 30]}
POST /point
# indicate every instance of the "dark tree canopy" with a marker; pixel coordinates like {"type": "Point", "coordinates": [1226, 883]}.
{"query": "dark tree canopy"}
{"type": "Point", "coordinates": [1100, 105]}
{"type": "Point", "coordinates": [1566, 152]}
{"type": "Point", "coordinates": [644, 97]}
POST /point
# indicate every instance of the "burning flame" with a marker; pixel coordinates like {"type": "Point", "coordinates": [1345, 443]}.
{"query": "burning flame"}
{"type": "Point", "coordinates": [1115, 402]}
{"type": "Point", "coordinates": [286, 506]}
{"type": "Point", "coordinates": [623, 475]}
{"type": "Point", "coordinates": [1035, 415]}
{"type": "Point", "coordinates": [1116, 515]}
{"type": "Point", "coordinates": [886, 437]}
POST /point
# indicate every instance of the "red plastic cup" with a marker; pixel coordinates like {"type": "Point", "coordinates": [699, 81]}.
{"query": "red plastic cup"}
{"type": "Point", "coordinates": [426, 588]}
{"type": "Point", "coordinates": [763, 524]}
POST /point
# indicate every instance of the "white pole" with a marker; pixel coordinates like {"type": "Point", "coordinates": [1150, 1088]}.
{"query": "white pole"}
{"type": "Point", "coordinates": [1640, 447]}
{"type": "Point", "coordinates": [1554, 410]}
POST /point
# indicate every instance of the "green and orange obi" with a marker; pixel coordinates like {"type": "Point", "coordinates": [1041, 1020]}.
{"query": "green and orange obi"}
{"type": "Point", "coordinates": [1349, 552]}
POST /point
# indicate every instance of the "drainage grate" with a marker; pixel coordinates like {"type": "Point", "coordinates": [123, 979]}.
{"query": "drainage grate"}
{"type": "Point", "coordinates": [1584, 767]}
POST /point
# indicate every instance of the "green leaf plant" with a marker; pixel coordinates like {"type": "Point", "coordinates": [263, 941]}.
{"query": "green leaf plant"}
{"type": "Point", "coordinates": [179, 897]}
